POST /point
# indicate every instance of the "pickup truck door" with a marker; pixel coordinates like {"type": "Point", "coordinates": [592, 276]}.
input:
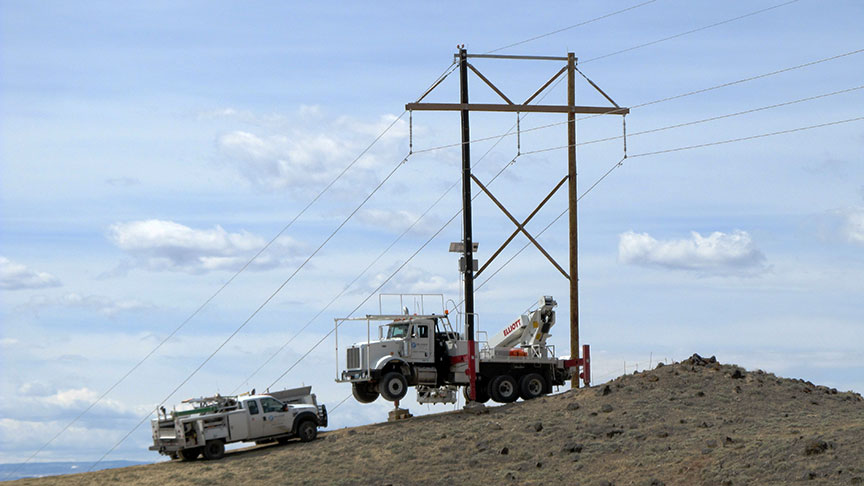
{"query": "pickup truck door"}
{"type": "Point", "coordinates": [275, 418]}
{"type": "Point", "coordinates": [256, 422]}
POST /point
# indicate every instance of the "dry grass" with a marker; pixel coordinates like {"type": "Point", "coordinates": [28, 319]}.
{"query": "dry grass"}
{"type": "Point", "coordinates": [694, 422]}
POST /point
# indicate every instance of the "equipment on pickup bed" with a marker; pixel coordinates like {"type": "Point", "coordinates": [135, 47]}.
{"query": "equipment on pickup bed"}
{"type": "Point", "coordinates": [424, 351]}
{"type": "Point", "coordinates": [219, 420]}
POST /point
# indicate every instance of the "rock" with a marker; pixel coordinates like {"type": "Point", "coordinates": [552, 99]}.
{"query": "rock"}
{"type": "Point", "coordinates": [504, 451]}
{"type": "Point", "coordinates": [700, 394]}
{"type": "Point", "coordinates": [604, 390]}
{"type": "Point", "coordinates": [510, 476]}
{"type": "Point", "coordinates": [737, 374]}
{"type": "Point", "coordinates": [706, 451]}
{"type": "Point", "coordinates": [604, 482]}
{"type": "Point", "coordinates": [538, 465]}
{"type": "Point", "coordinates": [613, 432]}
{"type": "Point", "coordinates": [856, 480]}
{"type": "Point", "coordinates": [697, 360]}
{"type": "Point", "coordinates": [482, 446]}
{"type": "Point", "coordinates": [662, 434]}
{"type": "Point", "coordinates": [538, 427]}
{"type": "Point", "coordinates": [711, 443]}
{"type": "Point", "coordinates": [572, 406]}
{"type": "Point", "coordinates": [659, 365]}
{"type": "Point", "coordinates": [815, 446]}
{"type": "Point", "coordinates": [652, 378]}
{"type": "Point", "coordinates": [572, 447]}
{"type": "Point", "coordinates": [606, 408]}
{"type": "Point", "coordinates": [655, 482]}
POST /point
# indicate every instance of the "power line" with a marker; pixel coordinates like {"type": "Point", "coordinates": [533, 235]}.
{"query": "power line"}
{"type": "Point", "coordinates": [752, 137]}
{"type": "Point", "coordinates": [704, 120]}
{"type": "Point", "coordinates": [580, 24]}
{"type": "Point", "coordinates": [689, 32]}
{"type": "Point", "coordinates": [654, 102]}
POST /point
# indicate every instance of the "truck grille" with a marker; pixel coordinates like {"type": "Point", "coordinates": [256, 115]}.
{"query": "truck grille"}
{"type": "Point", "coordinates": [353, 358]}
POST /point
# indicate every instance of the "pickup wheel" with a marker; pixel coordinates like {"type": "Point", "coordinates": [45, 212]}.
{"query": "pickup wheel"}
{"type": "Point", "coordinates": [364, 392]}
{"type": "Point", "coordinates": [482, 395]}
{"type": "Point", "coordinates": [307, 431]}
{"type": "Point", "coordinates": [503, 389]}
{"type": "Point", "coordinates": [532, 386]}
{"type": "Point", "coordinates": [393, 386]}
{"type": "Point", "coordinates": [189, 454]}
{"type": "Point", "coordinates": [214, 449]}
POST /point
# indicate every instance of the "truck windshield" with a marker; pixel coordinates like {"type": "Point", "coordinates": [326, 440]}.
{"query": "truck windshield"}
{"type": "Point", "coordinates": [395, 331]}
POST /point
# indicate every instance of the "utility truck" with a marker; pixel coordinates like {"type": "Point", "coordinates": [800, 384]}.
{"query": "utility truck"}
{"type": "Point", "coordinates": [422, 350]}
{"type": "Point", "coordinates": [215, 421]}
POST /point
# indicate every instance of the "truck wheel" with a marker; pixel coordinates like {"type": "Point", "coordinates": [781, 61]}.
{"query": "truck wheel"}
{"type": "Point", "coordinates": [364, 393]}
{"type": "Point", "coordinates": [393, 386]}
{"type": "Point", "coordinates": [532, 386]}
{"type": "Point", "coordinates": [214, 449]}
{"type": "Point", "coordinates": [189, 454]}
{"type": "Point", "coordinates": [482, 395]}
{"type": "Point", "coordinates": [503, 389]}
{"type": "Point", "coordinates": [307, 431]}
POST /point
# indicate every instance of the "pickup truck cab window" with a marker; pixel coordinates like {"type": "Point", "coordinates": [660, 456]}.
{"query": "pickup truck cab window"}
{"type": "Point", "coordinates": [253, 407]}
{"type": "Point", "coordinates": [271, 405]}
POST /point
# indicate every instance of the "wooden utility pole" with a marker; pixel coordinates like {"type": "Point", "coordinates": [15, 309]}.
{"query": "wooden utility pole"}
{"type": "Point", "coordinates": [464, 107]}
{"type": "Point", "coordinates": [573, 198]}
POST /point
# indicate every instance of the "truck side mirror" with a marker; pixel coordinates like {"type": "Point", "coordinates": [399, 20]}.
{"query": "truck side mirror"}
{"type": "Point", "coordinates": [285, 407]}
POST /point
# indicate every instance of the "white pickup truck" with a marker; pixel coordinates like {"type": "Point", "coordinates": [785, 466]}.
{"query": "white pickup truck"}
{"type": "Point", "coordinates": [216, 421]}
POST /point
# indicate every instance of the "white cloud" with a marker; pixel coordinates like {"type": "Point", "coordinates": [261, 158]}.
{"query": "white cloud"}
{"type": "Point", "coordinates": [853, 226]}
{"type": "Point", "coordinates": [166, 245]}
{"type": "Point", "coordinates": [103, 305]}
{"type": "Point", "coordinates": [16, 276]}
{"type": "Point", "coordinates": [8, 342]}
{"type": "Point", "coordinates": [310, 152]}
{"type": "Point", "coordinates": [718, 253]}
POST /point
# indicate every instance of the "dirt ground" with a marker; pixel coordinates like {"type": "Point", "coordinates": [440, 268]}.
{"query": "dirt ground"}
{"type": "Point", "coordinates": [691, 423]}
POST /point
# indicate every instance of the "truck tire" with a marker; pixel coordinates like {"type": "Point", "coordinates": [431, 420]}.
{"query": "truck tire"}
{"type": "Point", "coordinates": [482, 395]}
{"type": "Point", "coordinates": [503, 389]}
{"type": "Point", "coordinates": [393, 386]}
{"type": "Point", "coordinates": [214, 449]}
{"type": "Point", "coordinates": [189, 454]}
{"type": "Point", "coordinates": [364, 393]}
{"type": "Point", "coordinates": [532, 386]}
{"type": "Point", "coordinates": [307, 431]}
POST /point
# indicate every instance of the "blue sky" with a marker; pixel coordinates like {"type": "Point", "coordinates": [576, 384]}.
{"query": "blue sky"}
{"type": "Point", "coordinates": [146, 152]}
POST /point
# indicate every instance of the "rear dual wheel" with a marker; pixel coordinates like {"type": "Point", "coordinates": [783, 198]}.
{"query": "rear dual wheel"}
{"type": "Point", "coordinates": [503, 389]}
{"type": "Point", "coordinates": [532, 386]}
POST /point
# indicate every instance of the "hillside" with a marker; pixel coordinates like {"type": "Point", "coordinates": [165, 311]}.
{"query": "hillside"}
{"type": "Point", "coordinates": [694, 422]}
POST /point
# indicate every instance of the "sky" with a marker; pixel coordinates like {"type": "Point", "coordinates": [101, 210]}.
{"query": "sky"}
{"type": "Point", "coordinates": [149, 151]}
